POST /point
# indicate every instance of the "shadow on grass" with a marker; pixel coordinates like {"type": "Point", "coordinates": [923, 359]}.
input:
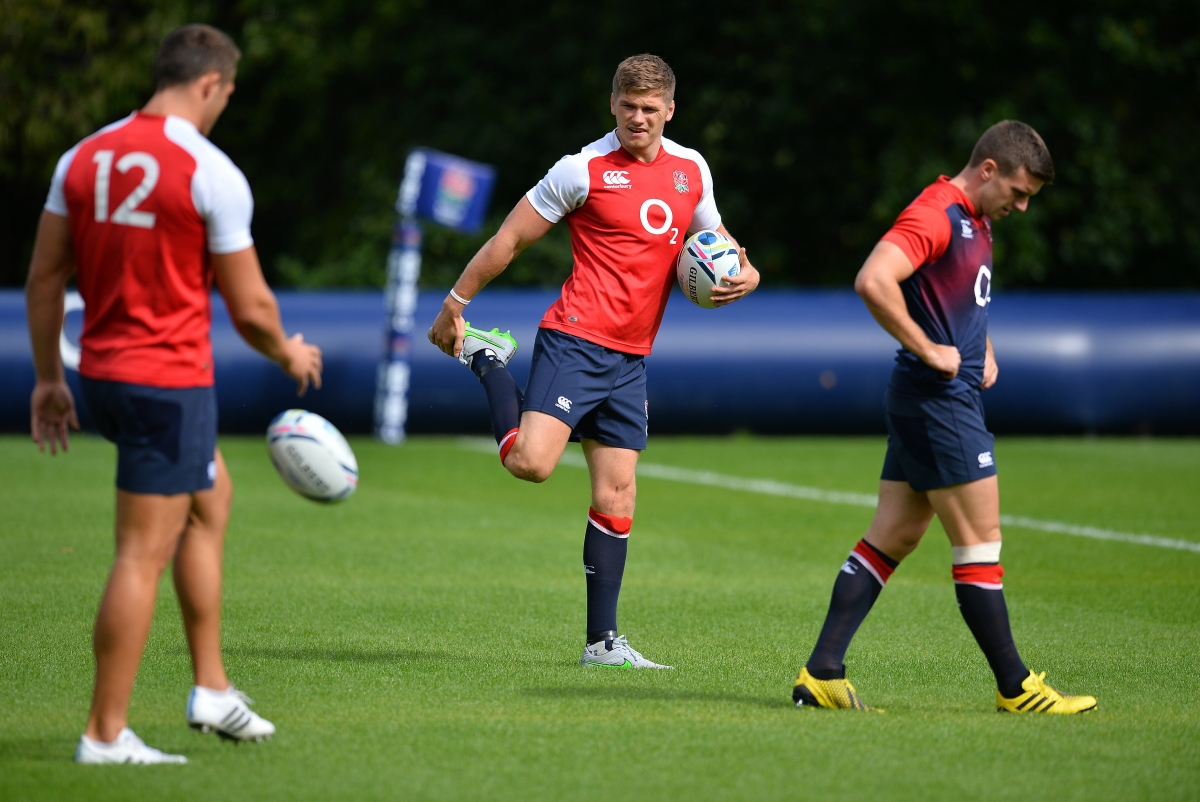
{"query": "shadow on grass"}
{"type": "Point", "coordinates": [333, 654]}
{"type": "Point", "coordinates": [656, 694]}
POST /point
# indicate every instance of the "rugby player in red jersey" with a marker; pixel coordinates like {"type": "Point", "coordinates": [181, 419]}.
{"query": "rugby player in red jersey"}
{"type": "Point", "coordinates": [929, 283]}
{"type": "Point", "coordinates": [146, 212]}
{"type": "Point", "coordinates": [630, 200]}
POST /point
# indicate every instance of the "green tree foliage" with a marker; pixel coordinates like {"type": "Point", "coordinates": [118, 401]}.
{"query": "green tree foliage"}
{"type": "Point", "coordinates": [821, 119]}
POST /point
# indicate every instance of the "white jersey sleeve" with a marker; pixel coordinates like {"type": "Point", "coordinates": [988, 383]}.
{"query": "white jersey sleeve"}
{"type": "Point", "coordinates": [565, 187]}
{"type": "Point", "coordinates": [220, 191]}
{"type": "Point", "coordinates": [706, 217]}
{"type": "Point", "coordinates": [563, 190]}
{"type": "Point", "coordinates": [56, 201]}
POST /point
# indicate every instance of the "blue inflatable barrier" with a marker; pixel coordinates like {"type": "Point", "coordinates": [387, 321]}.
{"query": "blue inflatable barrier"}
{"type": "Point", "coordinates": [780, 361]}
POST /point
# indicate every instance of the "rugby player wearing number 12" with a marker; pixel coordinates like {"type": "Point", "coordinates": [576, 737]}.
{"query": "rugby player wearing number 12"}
{"type": "Point", "coordinates": [630, 200]}
{"type": "Point", "coordinates": [147, 212]}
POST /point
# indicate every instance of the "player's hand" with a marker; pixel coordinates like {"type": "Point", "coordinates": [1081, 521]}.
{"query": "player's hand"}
{"type": "Point", "coordinates": [990, 369]}
{"type": "Point", "coordinates": [302, 361]}
{"type": "Point", "coordinates": [734, 288]}
{"type": "Point", "coordinates": [52, 411]}
{"type": "Point", "coordinates": [448, 328]}
{"type": "Point", "coordinates": [945, 359]}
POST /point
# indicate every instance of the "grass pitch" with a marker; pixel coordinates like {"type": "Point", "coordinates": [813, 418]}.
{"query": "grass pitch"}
{"type": "Point", "coordinates": [422, 640]}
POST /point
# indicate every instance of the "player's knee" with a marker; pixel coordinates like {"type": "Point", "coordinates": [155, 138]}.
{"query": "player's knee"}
{"type": "Point", "coordinates": [616, 496]}
{"type": "Point", "coordinates": [529, 470]}
{"type": "Point", "coordinates": [148, 558]}
{"type": "Point", "coordinates": [909, 537]}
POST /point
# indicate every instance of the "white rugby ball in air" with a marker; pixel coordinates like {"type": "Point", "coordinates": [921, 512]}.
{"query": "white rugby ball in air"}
{"type": "Point", "coordinates": [706, 258]}
{"type": "Point", "coordinates": [311, 456]}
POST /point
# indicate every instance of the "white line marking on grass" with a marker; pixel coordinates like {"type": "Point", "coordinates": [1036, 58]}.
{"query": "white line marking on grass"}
{"type": "Point", "coordinates": [769, 487]}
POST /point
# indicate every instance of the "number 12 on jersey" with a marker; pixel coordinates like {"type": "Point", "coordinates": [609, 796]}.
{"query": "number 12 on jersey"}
{"type": "Point", "coordinates": [127, 213]}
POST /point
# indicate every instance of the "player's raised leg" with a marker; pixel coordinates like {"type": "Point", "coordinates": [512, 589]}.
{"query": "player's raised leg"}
{"type": "Point", "coordinates": [213, 704]}
{"type": "Point", "coordinates": [529, 444]}
{"type": "Point", "coordinates": [147, 532]}
{"type": "Point", "coordinates": [487, 354]}
{"type": "Point", "coordinates": [970, 514]}
{"type": "Point", "coordinates": [605, 547]}
{"type": "Point", "coordinates": [900, 521]}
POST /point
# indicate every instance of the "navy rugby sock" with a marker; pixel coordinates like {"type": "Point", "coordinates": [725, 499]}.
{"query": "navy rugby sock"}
{"type": "Point", "coordinates": [605, 546]}
{"type": "Point", "coordinates": [504, 397]}
{"type": "Point", "coordinates": [858, 584]}
{"type": "Point", "coordinates": [981, 602]}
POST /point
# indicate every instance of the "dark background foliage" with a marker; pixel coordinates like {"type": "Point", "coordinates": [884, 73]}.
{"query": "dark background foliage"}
{"type": "Point", "coordinates": [820, 119]}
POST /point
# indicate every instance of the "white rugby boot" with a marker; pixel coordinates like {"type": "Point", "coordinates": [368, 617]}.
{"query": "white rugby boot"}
{"type": "Point", "coordinates": [227, 713]}
{"type": "Point", "coordinates": [128, 748]}
{"type": "Point", "coordinates": [502, 345]}
{"type": "Point", "coordinates": [616, 653]}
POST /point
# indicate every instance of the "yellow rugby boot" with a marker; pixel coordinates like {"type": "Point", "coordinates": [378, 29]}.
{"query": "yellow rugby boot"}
{"type": "Point", "coordinates": [836, 694]}
{"type": "Point", "coordinates": [1041, 698]}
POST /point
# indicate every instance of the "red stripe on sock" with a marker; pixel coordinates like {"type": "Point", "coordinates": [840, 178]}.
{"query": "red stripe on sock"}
{"type": "Point", "coordinates": [984, 575]}
{"type": "Point", "coordinates": [611, 524]}
{"type": "Point", "coordinates": [506, 444]}
{"type": "Point", "coordinates": [866, 554]}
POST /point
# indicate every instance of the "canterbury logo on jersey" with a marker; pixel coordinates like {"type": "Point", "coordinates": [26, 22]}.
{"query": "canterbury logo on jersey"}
{"type": "Point", "coordinates": [616, 179]}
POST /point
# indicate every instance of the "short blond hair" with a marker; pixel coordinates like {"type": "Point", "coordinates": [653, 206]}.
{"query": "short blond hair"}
{"type": "Point", "coordinates": [644, 73]}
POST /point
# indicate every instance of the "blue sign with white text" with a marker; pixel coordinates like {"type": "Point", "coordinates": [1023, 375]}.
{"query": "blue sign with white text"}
{"type": "Point", "coordinates": [446, 190]}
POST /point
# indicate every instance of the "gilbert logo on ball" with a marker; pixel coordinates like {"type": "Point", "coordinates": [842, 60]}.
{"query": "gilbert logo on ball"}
{"type": "Point", "coordinates": [707, 258]}
{"type": "Point", "coordinates": [311, 456]}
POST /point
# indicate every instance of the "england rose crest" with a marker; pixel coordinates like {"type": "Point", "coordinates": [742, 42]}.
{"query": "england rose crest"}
{"type": "Point", "coordinates": [681, 183]}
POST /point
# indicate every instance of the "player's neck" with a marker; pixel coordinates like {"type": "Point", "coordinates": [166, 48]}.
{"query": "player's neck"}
{"type": "Point", "coordinates": [646, 154]}
{"type": "Point", "coordinates": [177, 103]}
{"type": "Point", "coordinates": [970, 187]}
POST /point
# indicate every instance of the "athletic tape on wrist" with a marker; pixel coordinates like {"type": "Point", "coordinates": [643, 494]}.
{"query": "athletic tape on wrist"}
{"type": "Point", "coordinates": [979, 553]}
{"type": "Point", "coordinates": [458, 297]}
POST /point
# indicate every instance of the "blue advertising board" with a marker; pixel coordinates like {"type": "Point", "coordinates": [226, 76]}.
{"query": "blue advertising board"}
{"type": "Point", "coordinates": [811, 361]}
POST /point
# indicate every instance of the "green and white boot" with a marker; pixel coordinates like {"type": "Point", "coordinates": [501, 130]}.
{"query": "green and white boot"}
{"type": "Point", "coordinates": [501, 345]}
{"type": "Point", "coordinates": [616, 653]}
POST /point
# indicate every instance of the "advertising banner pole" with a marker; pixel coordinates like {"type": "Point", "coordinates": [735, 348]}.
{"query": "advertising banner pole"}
{"type": "Point", "coordinates": [454, 193]}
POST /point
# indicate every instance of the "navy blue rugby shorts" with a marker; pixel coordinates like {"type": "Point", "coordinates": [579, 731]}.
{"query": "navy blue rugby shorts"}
{"type": "Point", "coordinates": [166, 437]}
{"type": "Point", "coordinates": [937, 441]}
{"type": "Point", "coordinates": [600, 393]}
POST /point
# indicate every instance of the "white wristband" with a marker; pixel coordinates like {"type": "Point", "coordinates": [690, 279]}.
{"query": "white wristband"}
{"type": "Point", "coordinates": [458, 297]}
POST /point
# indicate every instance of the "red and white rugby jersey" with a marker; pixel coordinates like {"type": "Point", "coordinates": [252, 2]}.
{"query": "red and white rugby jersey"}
{"type": "Point", "coordinates": [148, 198]}
{"type": "Point", "coordinates": [628, 222]}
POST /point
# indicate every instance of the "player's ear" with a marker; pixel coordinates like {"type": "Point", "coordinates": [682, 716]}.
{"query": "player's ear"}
{"type": "Point", "coordinates": [612, 104]}
{"type": "Point", "coordinates": [208, 83]}
{"type": "Point", "coordinates": [988, 170]}
{"type": "Point", "coordinates": [670, 110]}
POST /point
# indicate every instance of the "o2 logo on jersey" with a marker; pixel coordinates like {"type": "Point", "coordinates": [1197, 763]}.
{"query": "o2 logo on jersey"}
{"type": "Point", "coordinates": [983, 286]}
{"type": "Point", "coordinates": [126, 214]}
{"type": "Point", "coordinates": [616, 179]}
{"type": "Point", "coordinates": [669, 217]}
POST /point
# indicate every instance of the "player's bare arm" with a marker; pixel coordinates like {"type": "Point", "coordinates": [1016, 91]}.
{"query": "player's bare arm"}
{"type": "Point", "coordinates": [878, 284]}
{"type": "Point", "coordinates": [734, 288]}
{"type": "Point", "coordinates": [255, 314]}
{"type": "Point", "coordinates": [990, 370]}
{"type": "Point", "coordinates": [523, 227]}
{"type": "Point", "coordinates": [52, 406]}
